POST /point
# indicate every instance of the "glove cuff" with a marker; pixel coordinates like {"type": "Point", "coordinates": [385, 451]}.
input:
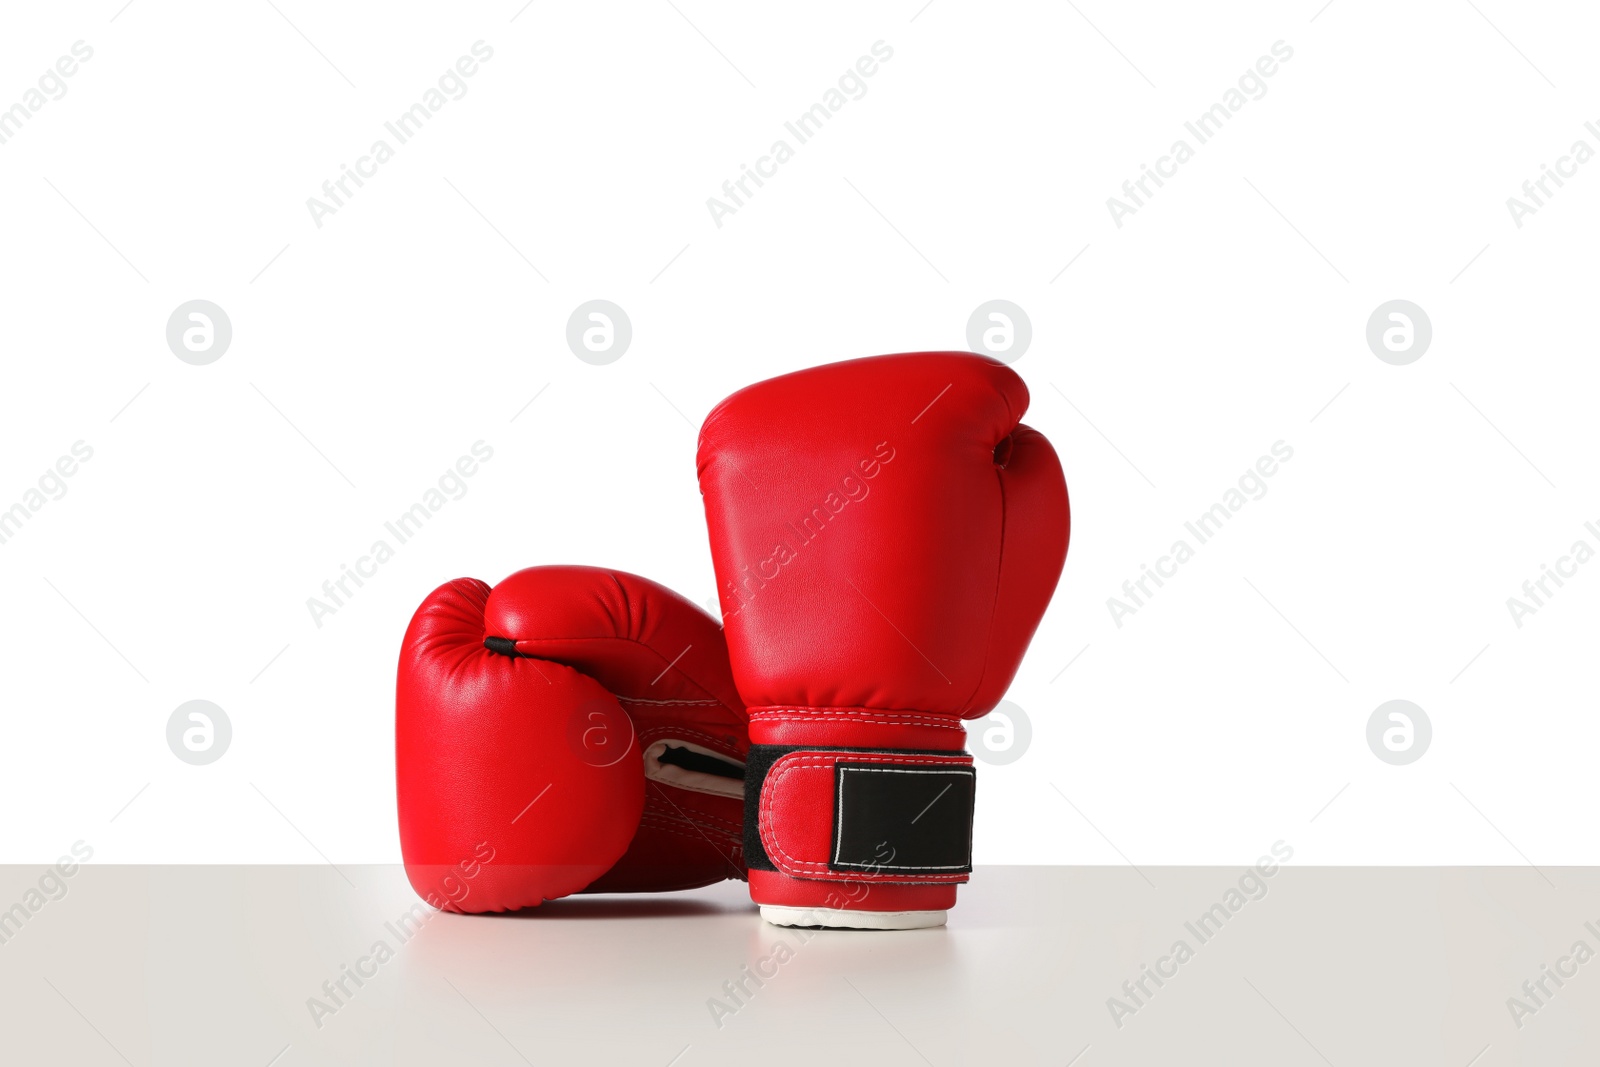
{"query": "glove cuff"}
{"type": "Point", "coordinates": [872, 815]}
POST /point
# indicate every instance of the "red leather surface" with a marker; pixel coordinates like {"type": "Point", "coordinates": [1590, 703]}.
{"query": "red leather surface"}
{"type": "Point", "coordinates": [925, 565]}
{"type": "Point", "coordinates": [797, 815]}
{"type": "Point", "coordinates": [479, 736]}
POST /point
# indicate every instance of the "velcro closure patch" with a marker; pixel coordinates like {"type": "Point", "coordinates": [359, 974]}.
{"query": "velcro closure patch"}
{"type": "Point", "coordinates": [905, 819]}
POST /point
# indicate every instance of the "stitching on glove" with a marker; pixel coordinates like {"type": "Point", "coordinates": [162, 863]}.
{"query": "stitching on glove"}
{"type": "Point", "coordinates": [711, 822]}
{"type": "Point", "coordinates": [872, 716]}
{"type": "Point", "coordinates": [666, 827]}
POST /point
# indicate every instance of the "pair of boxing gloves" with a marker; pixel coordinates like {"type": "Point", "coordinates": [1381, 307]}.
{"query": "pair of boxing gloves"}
{"type": "Point", "coordinates": [886, 535]}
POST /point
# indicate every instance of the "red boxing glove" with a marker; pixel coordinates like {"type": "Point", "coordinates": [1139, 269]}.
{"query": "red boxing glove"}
{"type": "Point", "coordinates": [571, 730]}
{"type": "Point", "coordinates": [886, 536]}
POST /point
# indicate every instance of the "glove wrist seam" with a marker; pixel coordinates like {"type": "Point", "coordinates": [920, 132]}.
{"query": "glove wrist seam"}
{"type": "Point", "coordinates": [864, 715]}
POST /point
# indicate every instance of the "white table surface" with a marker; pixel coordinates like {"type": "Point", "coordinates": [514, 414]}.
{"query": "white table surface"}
{"type": "Point", "coordinates": [1341, 966]}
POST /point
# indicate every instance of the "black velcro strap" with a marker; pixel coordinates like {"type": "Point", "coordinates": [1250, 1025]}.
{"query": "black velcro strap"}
{"type": "Point", "coordinates": [902, 819]}
{"type": "Point", "coordinates": [925, 841]}
{"type": "Point", "coordinates": [756, 766]}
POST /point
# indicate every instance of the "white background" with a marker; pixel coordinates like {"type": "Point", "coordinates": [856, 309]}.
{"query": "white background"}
{"type": "Point", "coordinates": [1227, 314]}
